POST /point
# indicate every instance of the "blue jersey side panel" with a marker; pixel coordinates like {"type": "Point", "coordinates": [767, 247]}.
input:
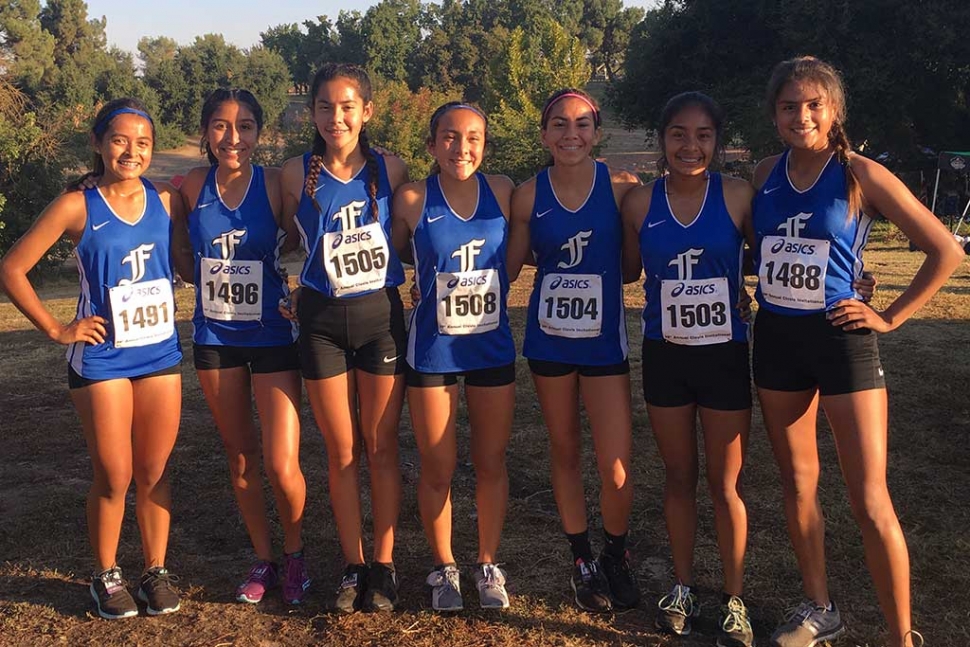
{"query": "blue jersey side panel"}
{"type": "Point", "coordinates": [438, 241]}
{"type": "Point", "coordinates": [112, 252]}
{"type": "Point", "coordinates": [587, 241]}
{"type": "Point", "coordinates": [247, 233]}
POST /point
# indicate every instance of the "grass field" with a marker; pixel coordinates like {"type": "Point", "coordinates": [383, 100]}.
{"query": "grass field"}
{"type": "Point", "coordinates": [45, 559]}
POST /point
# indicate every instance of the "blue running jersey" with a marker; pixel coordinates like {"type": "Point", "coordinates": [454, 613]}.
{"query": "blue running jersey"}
{"type": "Point", "coordinates": [808, 245]}
{"type": "Point", "coordinates": [238, 284]}
{"type": "Point", "coordinates": [348, 254]}
{"type": "Point", "coordinates": [126, 277]}
{"type": "Point", "coordinates": [461, 323]}
{"type": "Point", "coordinates": [576, 311]}
{"type": "Point", "coordinates": [693, 272]}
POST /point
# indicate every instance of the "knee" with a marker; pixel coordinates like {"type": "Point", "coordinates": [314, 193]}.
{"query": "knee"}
{"type": "Point", "coordinates": [681, 482]}
{"type": "Point", "coordinates": [725, 495]}
{"type": "Point", "coordinates": [342, 460]}
{"type": "Point", "coordinates": [800, 485]}
{"type": "Point", "coordinates": [565, 456]}
{"type": "Point", "coordinates": [614, 476]}
{"type": "Point", "coordinates": [489, 466]}
{"type": "Point", "coordinates": [437, 474]}
{"type": "Point", "coordinates": [284, 474]}
{"type": "Point", "coordinates": [150, 475]}
{"type": "Point", "coordinates": [873, 509]}
{"type": "Point", "coordinates": [243, 465]}
{"type": "Point", "coordinates": [112, 484]}
{"type": "Point", "coordinates": [383, 458]}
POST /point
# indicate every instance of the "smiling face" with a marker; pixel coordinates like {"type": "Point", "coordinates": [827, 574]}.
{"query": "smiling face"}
{"type": "Point", "coordinates": [459, 143]}
{"type": "Point", "coordinates": [340, 112]}
{"type": "Point", "coordinates": [232, 133]}
{"type": "Point", "coordinates": [570, 132]}
{"type": "Point", "coordinates": [126, 147]}
{"type": "Point", "coordinates": [804, 113]}
{"type": "Point", "coordinates": [690, 141]}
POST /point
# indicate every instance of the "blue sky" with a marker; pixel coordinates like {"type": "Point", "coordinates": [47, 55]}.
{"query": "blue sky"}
{"type": "Point", "coordinates": [240, 21]}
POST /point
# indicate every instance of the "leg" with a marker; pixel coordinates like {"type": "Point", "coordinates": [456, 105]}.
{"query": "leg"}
{"type": "Point", "coordinates": [607, 402]}
{"type": "Point", "coordinates": [790, 418]}
{"type": "Point", "coordinates": [859, 423]}
{"type": "Point", "coordinates": [433, 419]}
{"type": "Point", "coordinates": [227, 392]}
{"type": "Point", "coordinates": [105, 409]}
{"type": "Point", "coordinates": [673, 428]}
{"type": "Point", "coordinates": [725, 441]}
{"type": "Point", "coordinates": [278, 403]}
{"type": "Point", "coordinates": [381, 400]}
{"type": "Point", "coordinates": [334, 404]}
{"type": "Point", "coordinates": [490, 412]}
{"type": "Point", "coordinates": [157, 409]}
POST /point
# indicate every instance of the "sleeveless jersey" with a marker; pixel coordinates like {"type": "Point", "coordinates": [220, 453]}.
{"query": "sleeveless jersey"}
{"type": "Point", "coordinates": [348, 254]}
{"type": "Point", "coordinates": [237, 269]}
{"type": "Point", "coordinates": [808, 246]}
{"type": "Point", "coordinates": [693, 272]}
{"type": "Point", "coordinates": [576, 311]}
{"type": "Point", "coordinates": [461, 323]}
{"type": "Point", "coordinates": [126, 277]}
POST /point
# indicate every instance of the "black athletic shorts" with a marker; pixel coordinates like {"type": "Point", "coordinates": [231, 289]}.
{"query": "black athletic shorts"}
{"type": "Point", "coordinates": [715, 376]}
{"type": "Point", "coordinates": [493, 376]}
{"type": "Point", "coordinates": [543, 368]}
{"type": "Point", "coordinates": [807, 352]}
{"type": "Point", "coordinates": [76, 381]}
{"type": "Point", "coordinates": [339, 334]}
{"type": "Point", "coordinates": [259, 359]}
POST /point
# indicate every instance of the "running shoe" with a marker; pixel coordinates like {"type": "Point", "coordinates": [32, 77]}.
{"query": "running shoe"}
{"type": "Point", "coordinates": [491, 587]}
{"type": "Point", "coordinates": [445, 589]}
{"type": "Point", "coordinates": [676, 610]}
{"type": "Point", "coordinates": [111, 595]}
{"type": "Point", "coordinates": [733, 625]}
{"type": "Point", "coordinates": [262, 577]}
{"type": "Point", "coordinates": [624, 591]}
{"type": "Point", "coordinates": [157, 590]}
{"type": "Point", "coordinates": [296, 580]}
{"type": "Point", "coordinates": [381, 593]}
{"type": "Point", "coordinates": [809, 625]}
{"type": "Point", "coordinates": [590, 587]}
{"type": "Point", "coordinates": [350, 593]}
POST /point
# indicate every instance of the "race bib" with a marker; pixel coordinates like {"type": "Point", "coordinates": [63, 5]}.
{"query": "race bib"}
{"type": "Point", "coordinates": [232, 290]}
{"type": "Point", "coordinates": [468, 302]}
{"type": "Point", "coordinates": [571, 305]}
{"type": "Point", "coordinates": [792, 272]}
{"type": "Point", "coordinates": [142, 313]}
{"type": "Point", "coordinates": [356, 259]}
{"type": "Point", "coordinates": [696, 312]}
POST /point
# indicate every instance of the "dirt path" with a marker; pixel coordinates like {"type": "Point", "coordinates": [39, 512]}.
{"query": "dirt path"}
{"type": "Point", "coordinates": [177, 161]}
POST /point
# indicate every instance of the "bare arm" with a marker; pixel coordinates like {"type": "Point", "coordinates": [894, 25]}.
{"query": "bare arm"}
{"type": "Point", "coordinates": [181, 247]}
{"type": "Point", "coordinates": [405, 213]}
{"type": "Point", "coordinates": [519, 248]}
{"type": "Point", "coordinates": [634, 210]}
{"type": "Point", "coordinates": [290, 180]}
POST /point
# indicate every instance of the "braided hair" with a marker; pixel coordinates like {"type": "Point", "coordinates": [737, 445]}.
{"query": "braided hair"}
{"type": "Point", "coordinates": [355, 73]}
{"type": "Point", "coordinates": [212, 103]}
{"type": "Point", "coordinates": [828, 79]}
{"type": "Point", "coordinates": [709, 106]}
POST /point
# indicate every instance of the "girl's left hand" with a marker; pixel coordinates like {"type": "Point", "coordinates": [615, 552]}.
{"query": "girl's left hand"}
{"type": "Point", "coordinates": [865, 285]}
{"type": "Point", "coordinates": [744, 305]}
{"type": "Point", "coordinates": [852, 314]}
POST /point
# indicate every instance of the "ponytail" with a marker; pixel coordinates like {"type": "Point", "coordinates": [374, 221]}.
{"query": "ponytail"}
{"type": "Point", "coordinates": [373, 173]}
{"type": "Point", "coordinates": [840, 142]}
{"type": "Point", "coordinates": [314, 168]}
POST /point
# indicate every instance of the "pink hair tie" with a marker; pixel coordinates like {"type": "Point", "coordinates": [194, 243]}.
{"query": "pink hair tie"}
{"type": "Point", "coordinates": [596, 112]}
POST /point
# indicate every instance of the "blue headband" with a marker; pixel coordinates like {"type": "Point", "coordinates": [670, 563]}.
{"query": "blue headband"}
{"type": "Point", "coordinates": [458, 106]}
{"type": "Point", "coordinates": [102, 124]}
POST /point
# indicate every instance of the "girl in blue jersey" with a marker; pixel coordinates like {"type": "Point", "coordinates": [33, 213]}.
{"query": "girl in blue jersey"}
{"type": "Point", "coordinates": [457, 222]}
{"type": "Point", "coordinates": [352, 338]}
{"type": "Point", "coordinates": [815, 340]}
{"type": "Point", "coordinates": [687, 231]}
{"type": "Point", "coordinates": [123, 349]}
{"type": "Point", "coordinates": [243, 346]}
{"type": "Point", "coordinates": [567, 218]}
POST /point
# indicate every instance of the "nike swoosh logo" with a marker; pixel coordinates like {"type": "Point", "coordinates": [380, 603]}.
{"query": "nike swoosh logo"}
{"type": "Point", "coordinates": [539, 215]}
{"type": "Point", "coordinates": [436, 218]}
{"type": "Point", "coordinates": [651, 225]}
{"type": "Point", "coordinates": [774, 188]}
{"type": "Point", "coordinates": [388, 360]}
{"type": "Point", "coordinates": [203, 206]}
{"type": "Point", "coordinates": [99, 225]}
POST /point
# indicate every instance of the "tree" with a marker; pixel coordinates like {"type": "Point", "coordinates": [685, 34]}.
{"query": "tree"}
{"type": "Point", "coordinates": [292, 45]}
{"type": "Point", "coordinates": [264, 73]}
{"type": "Point", "coordinates": [391, 34]}
{"type": "Point", "coordinates": [155, 51]}
{"type": "Point", "coordinates": [26, 50]}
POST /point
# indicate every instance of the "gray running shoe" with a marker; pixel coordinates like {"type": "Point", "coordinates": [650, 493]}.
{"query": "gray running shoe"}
{"type": "Point", "coordinates": [445, 589]}
{"type": "Point", "coordinates": [676, 610]}
{"type": "Point", "coordinates": [111, 595]}
{"type": "Point", "coordinates": [809, 625]}
{"type": "Point", "coordinates": [491, 587]}
{"type": "Point", "coordinates": [350, 593]}
{"type": "Point", "coordinates": [733, 626]}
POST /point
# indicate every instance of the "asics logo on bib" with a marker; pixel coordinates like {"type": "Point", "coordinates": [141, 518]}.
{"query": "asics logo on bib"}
{"type": "Point", "coordinates": [227, 243]}
{"type": "Point", "coordinates": [693, 290]}
{"type": "Point", "coordinates": [232, 270]}
{"type": "Point", "coordinates": [136, 258]}
{"type": "Point", "coordinates": [575, 247]}
{"type": "Point", "coordinates": [794, 226]}
{"type": "Point", "coordinates": [468, 252]}
{"type": "Point", "coordinates": [569, 284]}
{"type": "Point", "coordinates": [340, 239]}
{"type": "Point", "coordinates": [348, 214]}
{"type": "Point", "coordinates": [147, 291]}
{"type": "Point", "coordinates": [685, 262]}
{"type": "Point", "coordinates": [793, 247]}
{"type": "Point", "coordinates": [466, 282]}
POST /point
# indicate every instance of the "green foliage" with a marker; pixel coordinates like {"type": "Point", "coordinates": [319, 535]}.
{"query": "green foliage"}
{"type": "Point", "coordinates": [26, 50]}
{"type": "Point", "coordinates": [391, 34]}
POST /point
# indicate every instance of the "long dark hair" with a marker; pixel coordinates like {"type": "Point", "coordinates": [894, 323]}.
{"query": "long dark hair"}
{"type": "Point", "coordinates": [216, 99]}
{"type": "Point", "coordinates": [108, 113]}
{"type": "Point", "coordinates": [355, 73]}
{"type": "Point", "coordinates": [713, 111]}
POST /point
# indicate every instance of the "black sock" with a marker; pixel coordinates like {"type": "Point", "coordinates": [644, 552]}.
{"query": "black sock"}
{"type": "Point", "coordinates": [388, 565]}
{"type": "Point", "coordinates": [615, 545]}
{"type": "Point", "coordinates": [579, 545]}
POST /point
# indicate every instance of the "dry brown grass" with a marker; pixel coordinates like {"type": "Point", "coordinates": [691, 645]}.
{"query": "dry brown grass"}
{"type": "Point", "coordinates": [44, 473]}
